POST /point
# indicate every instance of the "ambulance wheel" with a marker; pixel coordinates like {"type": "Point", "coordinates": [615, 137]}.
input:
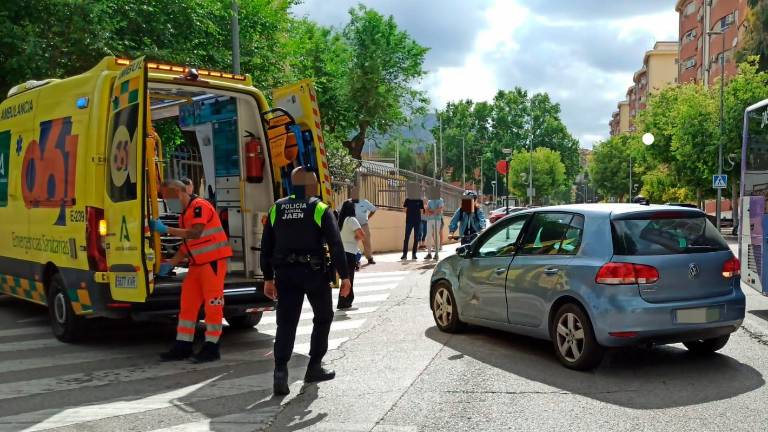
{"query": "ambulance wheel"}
{"type": "Point", "coordinates": [66, 326]}
{"type": "Point", "coordinates": [244, 322]}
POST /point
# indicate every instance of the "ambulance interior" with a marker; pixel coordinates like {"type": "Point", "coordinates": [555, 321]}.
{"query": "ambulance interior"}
{"type": "Point", "coordinates": [218, 127]}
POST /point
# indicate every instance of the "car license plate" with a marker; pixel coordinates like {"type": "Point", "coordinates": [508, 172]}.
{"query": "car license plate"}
{"type": "Point", "coordinates": [697, 315]}
{"type": "Point", "coordinates": [125, 280]}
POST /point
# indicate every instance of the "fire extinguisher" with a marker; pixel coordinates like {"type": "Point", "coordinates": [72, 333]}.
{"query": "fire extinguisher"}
{"type": "Point", "coordinates": [254, 159]}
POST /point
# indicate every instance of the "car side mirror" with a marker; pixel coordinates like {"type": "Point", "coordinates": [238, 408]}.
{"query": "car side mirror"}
{"type": "Point", "coordinates": [464, 251]}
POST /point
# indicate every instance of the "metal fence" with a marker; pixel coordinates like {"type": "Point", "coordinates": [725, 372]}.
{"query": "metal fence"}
{"type": "Point", "coordinates": [385, 186]}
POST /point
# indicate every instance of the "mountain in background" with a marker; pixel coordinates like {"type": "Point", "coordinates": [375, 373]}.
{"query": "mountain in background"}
{"type": "Point", "coordinates": [419, 130]}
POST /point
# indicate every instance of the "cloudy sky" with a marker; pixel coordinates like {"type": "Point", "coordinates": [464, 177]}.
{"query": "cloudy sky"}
{"type": "Point", "coordinates": [582, 52]}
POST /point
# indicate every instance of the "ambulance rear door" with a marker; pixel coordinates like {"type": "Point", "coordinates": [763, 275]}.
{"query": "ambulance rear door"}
{"type": "Point", "coordinates": [129, 273]}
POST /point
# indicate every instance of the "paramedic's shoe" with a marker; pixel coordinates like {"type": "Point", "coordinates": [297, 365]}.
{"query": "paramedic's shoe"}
{"type": "Point", "coordinates": [208, 353]}
{"type": "Point", "coordinates": [280, 383]}
{"type": "Point", "coordinates": [181, 350]}
{"type": "Point", "coordinates": [317, 373]}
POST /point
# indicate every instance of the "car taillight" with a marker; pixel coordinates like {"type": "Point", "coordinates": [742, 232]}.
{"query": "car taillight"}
{"type": "Point", "coordinates": [626, 274]}
{"type": "Point", "coordinates": [95, 233]}
{"type": "Point", "coordinates": [731, 268]}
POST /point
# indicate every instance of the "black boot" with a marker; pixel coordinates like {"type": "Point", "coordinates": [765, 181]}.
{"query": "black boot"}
{"type": "Point", "coordinates": [208, 353]}
{"type": "Point", "coordinates": [317, 373]}
{"type": "Point", "coordinates": [280, 386]}
{"type": "Point", "coordinates": [181, 350]}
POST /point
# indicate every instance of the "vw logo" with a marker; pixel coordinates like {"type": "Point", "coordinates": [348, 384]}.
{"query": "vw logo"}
{"type": "Point", "coordinates": [693, 271]}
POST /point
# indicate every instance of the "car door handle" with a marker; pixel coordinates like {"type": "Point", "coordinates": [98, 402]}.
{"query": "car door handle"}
{"type": "Point", "coordinates": [551, 271]}
{"type": "Point", "coordinates": [501, 270]}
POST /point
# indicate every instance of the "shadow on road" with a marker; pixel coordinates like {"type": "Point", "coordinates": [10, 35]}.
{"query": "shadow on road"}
{"type": "Point", "coordinates": [762, 314]}
{"type": "Point", "coordinates": [639, 378]}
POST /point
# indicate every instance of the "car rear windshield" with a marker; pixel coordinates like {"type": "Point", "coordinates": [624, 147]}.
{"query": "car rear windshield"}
{"type": "Point", "coordinates": [660, 234]}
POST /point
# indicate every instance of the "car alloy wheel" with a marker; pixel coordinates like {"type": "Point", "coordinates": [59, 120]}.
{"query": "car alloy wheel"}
{"type": "Point", "coordinates": [442, 306]}
{"type": "Point", "coordinates": [570, 337]}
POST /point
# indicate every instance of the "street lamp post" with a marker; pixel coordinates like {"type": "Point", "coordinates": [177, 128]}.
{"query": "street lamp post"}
{"type": "Point", "coordinates": [718, 203]}
{"type": "Point", "coordinates": [463, 166]}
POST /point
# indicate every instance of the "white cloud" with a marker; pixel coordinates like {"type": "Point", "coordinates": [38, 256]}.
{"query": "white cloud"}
{"type": "Point", "coordinates": [582, 53]}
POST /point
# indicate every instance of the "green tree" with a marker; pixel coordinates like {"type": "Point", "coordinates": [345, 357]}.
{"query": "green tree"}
{"type": "Point", "coordinates": [38, 40]}
{"type": "Point", "coordinates": [548, 174]}
{"type": "Point", "coordinates": [513, 120]}
{"type": "Point", "coordinates": [609, 166]}
{"type": "Point", "coordinates": [386, 62]}
{"type": "Point", "coordinates": [756, 37]}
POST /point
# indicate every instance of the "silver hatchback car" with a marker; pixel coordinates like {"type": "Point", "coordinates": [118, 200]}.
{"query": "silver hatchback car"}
{"type": "Point", "coordinates": [592, 276]}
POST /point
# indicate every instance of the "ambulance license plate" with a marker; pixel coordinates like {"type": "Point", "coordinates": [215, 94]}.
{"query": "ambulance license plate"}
{"type": "Point", "coordinates": [127, 280]}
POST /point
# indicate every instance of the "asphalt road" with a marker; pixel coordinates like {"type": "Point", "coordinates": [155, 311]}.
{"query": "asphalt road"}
{"type": "Point", "coordinates": [396, 372]}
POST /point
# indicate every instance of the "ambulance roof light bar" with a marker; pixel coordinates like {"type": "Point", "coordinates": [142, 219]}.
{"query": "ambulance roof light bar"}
{"type": "Point", "coordinates": [186, 71]}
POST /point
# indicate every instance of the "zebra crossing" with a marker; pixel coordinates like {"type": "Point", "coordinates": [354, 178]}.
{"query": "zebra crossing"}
{"type": "Point", "coordinates": [115, 382]}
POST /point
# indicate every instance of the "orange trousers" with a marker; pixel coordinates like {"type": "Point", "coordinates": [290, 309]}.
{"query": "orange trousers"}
{"type": "Point", "coordinates": [204, 285]}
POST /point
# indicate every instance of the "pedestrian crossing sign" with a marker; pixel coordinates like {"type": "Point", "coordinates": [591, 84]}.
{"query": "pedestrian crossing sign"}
{"type": "Point", "coordinates": [719, 181]}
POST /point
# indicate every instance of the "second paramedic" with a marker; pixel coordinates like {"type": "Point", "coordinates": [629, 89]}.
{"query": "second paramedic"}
{"type": "Point", "coordinates": [206, 247]}
{"type": "Point", "coordinates": [293, 262]}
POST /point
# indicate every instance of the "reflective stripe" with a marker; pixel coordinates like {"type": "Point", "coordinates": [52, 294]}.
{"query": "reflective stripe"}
{"type": "Point", "coordinates": [214, 246]}
{"type": "Point", "coordinates": [211, 231]}
{"type": "Point", "coordinates": [185, 337]}
{"type": "Point", "coordinates": [272, 215]}
{"type": "Point", "coordinates": [213, 327]}
{"type": "Point", "coordinates": [212, 338]}
{"type": "Point", "coordinates": [320, 208]}
{"type": "Point", "coordinates": [187, 324]}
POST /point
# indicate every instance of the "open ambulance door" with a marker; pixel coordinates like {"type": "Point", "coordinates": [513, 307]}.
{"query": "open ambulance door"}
{"type": "Point", "coordinates": [130, 277]}
{"type": "Point", "coordinates": [299, 100]}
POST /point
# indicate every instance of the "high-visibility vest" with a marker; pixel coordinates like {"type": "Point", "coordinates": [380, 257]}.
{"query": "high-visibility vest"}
{"type": "Point", "coordinates": [213, 243]}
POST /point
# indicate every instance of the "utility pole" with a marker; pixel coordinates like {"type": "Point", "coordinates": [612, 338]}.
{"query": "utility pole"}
{"type": "Point", "coordinates": [463, 166]}
{"type": "Point", "coordinates": [235, 38]}
{"type": "Point", "coordinates": [629, 197]}
{"type": "Point", "coordinates": [434, 171]}
{"type": "Point", "coordinates": [707, 27]}
{"type": "Point", "coordinates": [440, 137]}
{"type": "Point", "coordinates": [718, 203]}
{"type": "Point", "coordinates": [530, 171]}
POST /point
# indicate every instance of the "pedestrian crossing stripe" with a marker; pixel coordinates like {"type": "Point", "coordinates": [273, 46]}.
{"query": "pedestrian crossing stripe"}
{"type": "Point", "coordinates": [29, 367]}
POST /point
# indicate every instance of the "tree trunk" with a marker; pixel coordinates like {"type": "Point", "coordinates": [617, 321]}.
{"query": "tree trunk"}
{"type": "Point", "coordinates": [356, 144]}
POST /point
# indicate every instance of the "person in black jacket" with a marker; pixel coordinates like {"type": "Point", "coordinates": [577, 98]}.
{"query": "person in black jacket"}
{"type": "Point", "coordinates": [293, 262]}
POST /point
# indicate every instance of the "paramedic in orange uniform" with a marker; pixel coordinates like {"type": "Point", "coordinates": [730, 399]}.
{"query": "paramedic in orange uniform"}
{"type": "Point", "coordinates": [207, 248]}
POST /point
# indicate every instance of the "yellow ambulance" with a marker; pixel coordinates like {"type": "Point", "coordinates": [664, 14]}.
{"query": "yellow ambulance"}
{"type": "Point", "coordinates": [80, 164]}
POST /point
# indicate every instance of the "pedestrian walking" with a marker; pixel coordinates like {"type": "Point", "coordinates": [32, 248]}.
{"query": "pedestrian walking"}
{"type": "Point", "coordinates": [364, 211]}
{"type": "Point", "coordinates": [434, 217]}
{"type": "Point", "coordinates": [206, 247]}
{"type": "Point", "coordinates": [469, 218]}
{"type": "Point", "coordinates": [351, 234]}
{"type": "Point", "coordinates": [294, 265]}
{"type": "Point", "coordinates": [413, 210]}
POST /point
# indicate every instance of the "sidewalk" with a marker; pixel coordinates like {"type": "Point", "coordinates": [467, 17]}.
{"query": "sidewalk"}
{"type": "Point", "coordinates": [387, 262]}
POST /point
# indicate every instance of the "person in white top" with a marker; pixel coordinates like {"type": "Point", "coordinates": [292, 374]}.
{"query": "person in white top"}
{"type": "Point", "coordinates": [364, 210]}
{"type": "Point", "coordinates": [351, 233]}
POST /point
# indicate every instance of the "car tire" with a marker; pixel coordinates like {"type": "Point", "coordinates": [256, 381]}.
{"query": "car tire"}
{"type": "Point", "coordinates": [246, 321]}
{"type": "Point", "coordinates": [444, 309]}
{"type": "Point", "coordinates": [574, 339]}
{"type": "Point", "coordinates": [66, 325]}
{"type": "Point", "coordinates": [707, 346]}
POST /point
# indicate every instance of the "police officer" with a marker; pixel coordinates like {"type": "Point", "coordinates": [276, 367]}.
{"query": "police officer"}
{"type": "Point", "coordinates": [206, 246]}
{"type": "Point", "coordinates": [293, 262]}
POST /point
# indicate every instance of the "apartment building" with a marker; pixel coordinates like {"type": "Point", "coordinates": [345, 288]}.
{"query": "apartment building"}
{"type": "Point", "coordinates": [699, 53]}
{"type": "Point", "coordinates": [658, 72]}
